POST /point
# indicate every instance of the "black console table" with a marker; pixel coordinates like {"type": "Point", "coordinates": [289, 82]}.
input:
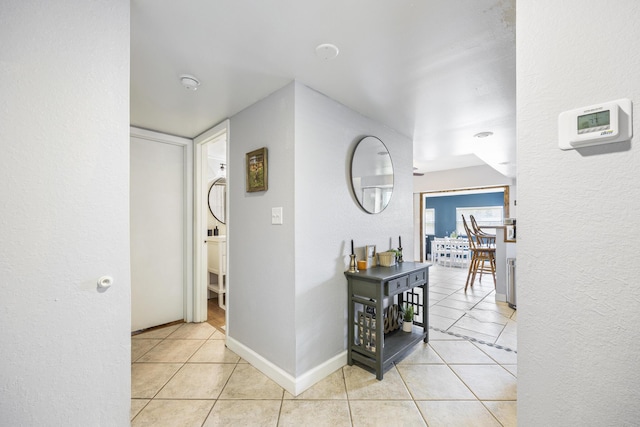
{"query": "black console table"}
{"type": "Point", "coordinates": [368, 290]}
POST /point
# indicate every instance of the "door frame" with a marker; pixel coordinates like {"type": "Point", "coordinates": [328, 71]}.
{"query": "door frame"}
{"type": "Point", "coordinates": [187, 249]}
{"type": "Point", "coordinates": [200, 278]}
{"type": "Point", "coordinates": [472, 190]}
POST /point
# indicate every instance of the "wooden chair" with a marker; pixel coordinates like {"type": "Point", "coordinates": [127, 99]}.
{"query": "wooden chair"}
{"type": "Point", "coordinates": [486, 239]}
{"type": "Point", "coordinates": [480, 254]}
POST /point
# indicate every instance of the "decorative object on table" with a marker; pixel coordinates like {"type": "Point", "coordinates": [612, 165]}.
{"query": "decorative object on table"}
{"type": "Point", "coordinates": [216, 232]}
{"type": "Point", "coordinates": [392, 318]}
{"type": "Point", "coordinates": [372, 175]}
{"type": "Point", "coordinates": [370, 255]}
{"type": "Point", "coordinates": [352, 263]}
{"type": "Point", "coordinates": [209, 232]}
{"type": "Point", "coordinates": [407, 315]}
{"type": "Point", "coordinates": [257, 177]}
{"type": "Point", "coordinates": [353, 268]}
{"type": "Point", "coordinates": [387, 259]}
{"type": "Point", "coordinates": [362, 264]}
{"type": "Point", "coordinates": [400, 260]}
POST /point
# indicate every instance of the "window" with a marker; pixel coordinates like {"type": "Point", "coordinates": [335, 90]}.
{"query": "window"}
{"type": "Point", "coordinates": [429, 221]}
{"type": "Point", "coordinates": [488, 215]}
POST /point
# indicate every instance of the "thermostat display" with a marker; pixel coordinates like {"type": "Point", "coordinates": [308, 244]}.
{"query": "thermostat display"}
{"type": "Point", "coordinates": [596, 124]}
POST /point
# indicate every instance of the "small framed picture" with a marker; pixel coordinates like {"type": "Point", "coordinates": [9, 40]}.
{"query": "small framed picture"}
{"type": "Point", "coordinates": [370, 255]}
{"type": "Point", "coordinates": [257, 177]}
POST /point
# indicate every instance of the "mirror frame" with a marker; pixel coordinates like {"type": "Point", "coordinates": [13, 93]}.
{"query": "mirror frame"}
{"type": "Point", "coordinates": [224, 199]}
{"type": "Point", "coordinates": [359, 198]}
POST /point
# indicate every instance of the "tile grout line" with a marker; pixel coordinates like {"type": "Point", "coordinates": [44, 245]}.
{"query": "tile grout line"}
{"type": "Point", "coordinates": [472, 339]}
{"type": "Point", "coordinates": [183, 364]}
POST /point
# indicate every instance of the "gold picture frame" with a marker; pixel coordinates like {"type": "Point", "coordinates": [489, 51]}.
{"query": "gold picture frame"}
{"type": "Point", "coordinates": [257, 176]}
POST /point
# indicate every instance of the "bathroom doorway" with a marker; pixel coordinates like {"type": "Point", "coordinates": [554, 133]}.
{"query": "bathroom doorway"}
{"type": "Point", "coordinates": [211, 290]}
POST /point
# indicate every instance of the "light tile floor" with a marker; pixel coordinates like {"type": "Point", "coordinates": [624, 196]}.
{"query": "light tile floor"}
{"type": "Point", "coordinates": [183, 375]}
{"type": "Point", "coordinates": [475, 313]}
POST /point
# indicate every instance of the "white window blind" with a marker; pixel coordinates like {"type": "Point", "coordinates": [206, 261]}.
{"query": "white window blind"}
{"type": "Point", "coordinates": [429, 221]}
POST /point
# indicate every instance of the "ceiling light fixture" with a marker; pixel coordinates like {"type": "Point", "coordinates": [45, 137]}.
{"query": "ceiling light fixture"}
{"type": "Point", "coordinates": [327, 51]}
{"type": "Point", "coordinates": [482, 134]}
{"type": "Point", "coordinates": [189, 82]}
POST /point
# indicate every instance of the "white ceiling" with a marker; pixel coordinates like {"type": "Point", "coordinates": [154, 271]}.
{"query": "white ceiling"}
{"type": "Point", "coordinates": [437, 71]}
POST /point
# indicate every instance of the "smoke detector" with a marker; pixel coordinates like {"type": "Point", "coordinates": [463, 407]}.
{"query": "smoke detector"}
{"type": "Point", "coordinates": [327, 51]}
{"type": "Point", "coordinates": [481, 135]}
{"type": "Point", "coordinates": [189, 82]}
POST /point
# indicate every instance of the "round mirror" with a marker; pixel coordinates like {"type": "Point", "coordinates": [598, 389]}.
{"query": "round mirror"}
{"type": "Point", "coordinates": [218, 199]}
{"type": "Point", "coordinates": [372, 174]}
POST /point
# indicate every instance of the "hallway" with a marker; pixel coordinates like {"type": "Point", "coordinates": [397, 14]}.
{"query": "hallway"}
{"type": "Point", "coordinates": [466, 375]}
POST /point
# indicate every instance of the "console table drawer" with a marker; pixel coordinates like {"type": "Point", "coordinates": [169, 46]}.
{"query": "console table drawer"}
{"type": "Point", "coordinates": [397, 286]}
{"type": "Point", "coordinates": [417, 278]}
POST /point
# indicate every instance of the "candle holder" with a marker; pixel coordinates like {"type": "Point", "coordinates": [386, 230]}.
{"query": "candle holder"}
{"type": "Point", "coordinates": [400, 255]}
{"type": "Point", "coordinates": [352, 264]}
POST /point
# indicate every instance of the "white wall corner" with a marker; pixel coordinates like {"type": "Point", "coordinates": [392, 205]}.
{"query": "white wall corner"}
{"type": "Point", "coordinates": [294, 385]}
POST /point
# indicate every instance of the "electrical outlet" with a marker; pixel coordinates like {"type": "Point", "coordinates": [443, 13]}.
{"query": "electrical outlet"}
{"type": "Point", "coordinates": [276, 216]}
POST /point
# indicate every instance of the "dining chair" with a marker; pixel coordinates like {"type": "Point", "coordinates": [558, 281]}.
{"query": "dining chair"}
{"type": "Point", "coordinates": [485, 238]}
{"type": "Point", "coordinates": [442, 251]}
{"type": "Point", "coordinates": [480, 254]}
{"type": "Point", "coordinates": [459, 252]}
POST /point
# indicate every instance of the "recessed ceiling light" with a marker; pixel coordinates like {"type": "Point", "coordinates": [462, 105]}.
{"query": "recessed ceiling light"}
{"type": "Point", "coordinates": [482, 134]}
{"type": "Point", "coordinates": [189, 82]}
{"type": "Point", "coordinates": [327, 51]}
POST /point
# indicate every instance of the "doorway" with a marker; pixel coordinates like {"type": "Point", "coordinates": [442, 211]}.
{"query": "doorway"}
{"type": "Point", "coordinates": [441, 219]}
{"type": "Point", "coordinates": [211, 230]}
{"type": "Point", "coordinates": [160, 223]}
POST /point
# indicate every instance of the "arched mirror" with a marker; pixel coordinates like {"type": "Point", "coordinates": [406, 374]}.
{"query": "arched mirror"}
{"type": "Point", "coordinates": [372, 174]}
{"type": "Point", "coordinates": [218, 199]}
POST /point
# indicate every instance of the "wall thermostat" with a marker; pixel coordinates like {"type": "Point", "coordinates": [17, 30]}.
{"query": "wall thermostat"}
{"type": "Point", "coordinates": [596, 124]}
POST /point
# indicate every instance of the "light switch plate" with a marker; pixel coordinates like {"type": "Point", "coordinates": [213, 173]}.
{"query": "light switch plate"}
{"type": "Point", "coordinates": [276, 216]}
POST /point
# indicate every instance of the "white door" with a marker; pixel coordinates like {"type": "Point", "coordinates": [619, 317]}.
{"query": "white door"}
{"type": "Point", "coordinates": [157, 233]}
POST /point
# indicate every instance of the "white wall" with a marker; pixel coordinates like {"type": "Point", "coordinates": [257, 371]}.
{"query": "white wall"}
{"type": "Point", "coordinates": [328, 217]}
{"type": "Point", "coordinates": [288, 290]}
{"type": "Point", "coordinates": [64, 169]}
{"type": "Point", "coordinates": [261, 258]}
{"type": "Point", "coordinates": [578, 269]}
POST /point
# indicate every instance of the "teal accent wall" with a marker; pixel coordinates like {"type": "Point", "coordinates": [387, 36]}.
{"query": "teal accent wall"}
{"type": "Point", "coordinates": [445, 210]}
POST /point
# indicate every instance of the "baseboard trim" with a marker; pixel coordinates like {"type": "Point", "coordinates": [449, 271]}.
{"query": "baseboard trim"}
{"type": "Point", "coordinates": [320, 372]}
{"type": "Point", "coordinates": [294, 385]}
